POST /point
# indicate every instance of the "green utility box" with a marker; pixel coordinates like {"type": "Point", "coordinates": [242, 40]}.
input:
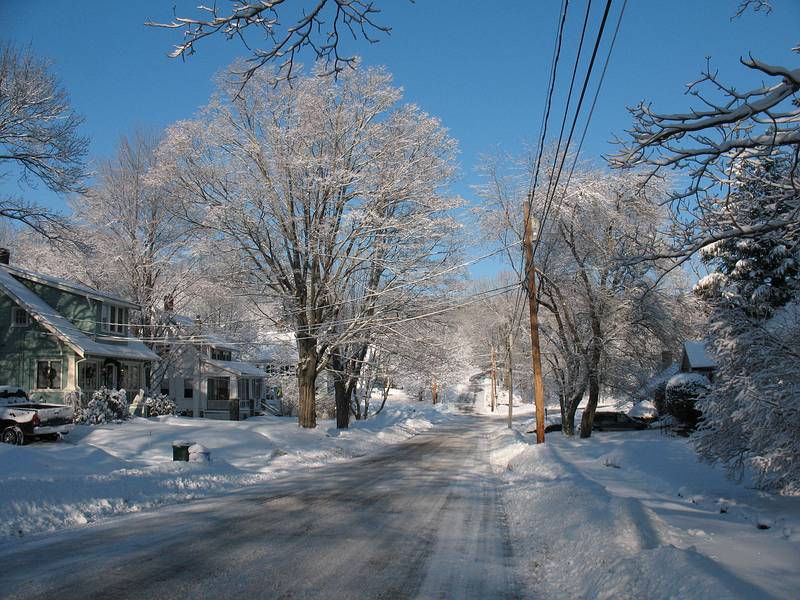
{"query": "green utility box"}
{"type": "Point", "coordinates": [180, 450]}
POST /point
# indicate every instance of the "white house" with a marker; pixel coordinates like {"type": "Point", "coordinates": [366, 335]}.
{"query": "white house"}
{"type": "Point", "coordinates": [696, 359]}
{"type": "Point", "coordinates": [205, 376]}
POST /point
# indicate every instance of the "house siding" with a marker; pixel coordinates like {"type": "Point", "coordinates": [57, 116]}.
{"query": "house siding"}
{"type": "Point", "coordinates": [22, 346]}
{"type": "Point", "coordinates": [83, 312]}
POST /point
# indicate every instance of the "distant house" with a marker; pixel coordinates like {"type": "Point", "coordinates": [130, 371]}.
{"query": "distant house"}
{"type": "Point", "coordinates": [206, 377]}
{"type": "Point", "coordinates": [696, 359]}
{"type": "Point", "coordinates": [57, 336]}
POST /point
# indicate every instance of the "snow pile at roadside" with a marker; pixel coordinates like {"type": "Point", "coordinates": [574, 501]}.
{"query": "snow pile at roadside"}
{"type": "Point", "coordinates": [116, 468]}
{"type": "Point", "coordinates": [634, 515]}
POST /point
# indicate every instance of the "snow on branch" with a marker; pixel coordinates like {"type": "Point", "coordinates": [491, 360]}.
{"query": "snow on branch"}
{"type": "Point", "coordinates": [711, 144]}
{"type": "Point", "coordinates": [315, 28]}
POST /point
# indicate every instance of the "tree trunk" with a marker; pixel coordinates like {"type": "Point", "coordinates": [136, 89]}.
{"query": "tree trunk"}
{"type": "Point", "coordinates": [594, 382]}
{"type": "Point", "coordinates": [383, 399]}
{"type": "Point", "coordinates": [342, 403]}
{"type": "Point", "coordinates": [307, 382]}
{"type": "Point", "coordinates": [434, 392]}
{"type": "Point", "coordinates": [588, 413]}
{"type": "Point", "coordinates": [568, 414]}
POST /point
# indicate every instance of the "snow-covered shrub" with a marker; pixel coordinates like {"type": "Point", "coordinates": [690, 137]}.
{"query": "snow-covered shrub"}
{"type": "Point", "coordinates": [104, 406]}
{"type": "Point", "coordinates": [681, 394]}
{"type": "Point", "coordinates": [160, 405]}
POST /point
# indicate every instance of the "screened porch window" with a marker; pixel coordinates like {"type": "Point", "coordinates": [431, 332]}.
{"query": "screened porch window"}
{"type": "Point", "coordinates": [130, 376]}
{"type": "Point", "coordinates": [218, 393]}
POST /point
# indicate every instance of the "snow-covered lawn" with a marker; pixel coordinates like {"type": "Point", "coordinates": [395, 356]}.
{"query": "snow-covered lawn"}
{"type": "Point", "coordinates": [635, 515]}
{"type": "Point", "coordinates": [103, 470]}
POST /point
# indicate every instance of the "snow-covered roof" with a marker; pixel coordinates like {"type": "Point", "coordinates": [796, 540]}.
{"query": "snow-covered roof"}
{"type": "Point", "coordinates": [697, 356]}
{"type": "Point", "coordinates": [276, 347]}
{"type": "Point", "coordinates": [236, 367]}
{"type": "Point", "coordinates": [65, 330]}
{"type": "Point", "coordinates": [210, 339]}
{"type": "Point", "coordinates": [69, 286]}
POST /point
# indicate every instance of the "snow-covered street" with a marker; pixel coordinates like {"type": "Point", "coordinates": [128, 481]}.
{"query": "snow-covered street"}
{"type": "Point", "coordinates": [464, 508]}
{"type": "Point", "coordinates": [423, 518]}
{"type": "Point", "coordinates": [126, 467]}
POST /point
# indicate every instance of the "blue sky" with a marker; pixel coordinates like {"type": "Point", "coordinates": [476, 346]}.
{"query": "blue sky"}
{"type": "Point", "coordinates": [480, 66]}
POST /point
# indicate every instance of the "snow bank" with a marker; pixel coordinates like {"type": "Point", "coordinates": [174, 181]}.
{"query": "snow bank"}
{"type": "Point", "coordinates": [635, 515]}
{"type": "Point", "coordinates": [116, 468]}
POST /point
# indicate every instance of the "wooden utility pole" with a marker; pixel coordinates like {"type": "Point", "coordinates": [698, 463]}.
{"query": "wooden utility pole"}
{"type": "Point", "coordinates": [510, 380]}
{"type": "Point", "coordinates": [494, 379]}
{"type": "Point", "coordinates": [533, 309]}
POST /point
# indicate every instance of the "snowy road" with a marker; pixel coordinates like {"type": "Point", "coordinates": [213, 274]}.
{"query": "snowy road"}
{"type": "Point", "coordinates": [422, 519]}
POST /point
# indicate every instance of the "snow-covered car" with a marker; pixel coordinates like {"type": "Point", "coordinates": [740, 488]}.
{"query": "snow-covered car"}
{"type": "Point", "coordinates": [22, 418]}
{"type": "Point", "coordinates": [616, 421]}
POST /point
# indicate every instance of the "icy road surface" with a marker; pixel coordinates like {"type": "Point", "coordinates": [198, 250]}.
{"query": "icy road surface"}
{"type": "Point", "coordinates": [422, 519]}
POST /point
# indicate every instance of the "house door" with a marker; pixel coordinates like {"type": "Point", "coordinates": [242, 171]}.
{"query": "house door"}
{"type": "Point", "coordinates": [88, 376]}
{"type": "Point", "coordinates": [110, 375]}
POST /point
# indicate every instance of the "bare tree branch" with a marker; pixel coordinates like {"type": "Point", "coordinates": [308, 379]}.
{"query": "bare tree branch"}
{"type": "Point", "coordinates": [285, 39]}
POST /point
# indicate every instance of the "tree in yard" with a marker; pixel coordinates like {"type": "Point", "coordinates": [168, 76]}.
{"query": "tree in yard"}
{"type": "Point", "coordinates": [741, 211]}
{"type": "Point", "coordinates": [39, 139]}
{"type": "Point", "coordinates": [752, 413]}
{"type": "Point", "coordinates": [330, 195]}
{"type": "Point", "coordinates": [136, 245]}
{"type": "Point", "coordinates": [317, 28]}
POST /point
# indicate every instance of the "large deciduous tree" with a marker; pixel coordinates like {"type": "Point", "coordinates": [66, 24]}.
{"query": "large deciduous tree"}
{"type": "Point", "coordinates": [331, 195]}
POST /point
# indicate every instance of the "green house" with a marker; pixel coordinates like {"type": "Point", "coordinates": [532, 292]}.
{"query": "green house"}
{"type": "Point", "coordinates": [57, 336]}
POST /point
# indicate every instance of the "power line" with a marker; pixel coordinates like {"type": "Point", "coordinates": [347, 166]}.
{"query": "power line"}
{"type": "Point", "coordinates": [519, 305]}
{"type": "Point", "coordinates": [575, 118]}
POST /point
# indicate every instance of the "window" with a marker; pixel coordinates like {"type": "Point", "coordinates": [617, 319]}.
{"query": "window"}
{"type": "Point", "coordinates": [165, 387]}
{"type": "Point", "coordinates": [113, 319]}
{"type": "Point", "coordinates": [19, 317]}
{"type": "Point", "coordinates": [220, 354]}
{"type": "Point", "coordinates": [188, 388]}
{"type": "Point", "coordinates": [48, 374]}
{"type": "Point", "coordinates": [243, 389]}
{"type": "Point", "coordinates": [218, 393]}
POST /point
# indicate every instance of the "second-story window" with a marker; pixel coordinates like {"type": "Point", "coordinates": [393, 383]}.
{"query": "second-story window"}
{"type": "Point", "coordinates": [220, 354]}
{"type": "Point", "coordinates": [19, 317]}
{"type": "Point", "coordinates": [114, 319]}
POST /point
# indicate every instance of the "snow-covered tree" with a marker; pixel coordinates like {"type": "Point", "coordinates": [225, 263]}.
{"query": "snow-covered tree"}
{"type": "Point", "coordinates": [39, 140]}
{"type": "Point", "coordinates": [135, 244]}
{"type": "Point", "coordinates": [606, 318]}
{"type": "Point", "coordinates": [313, 187]}
{"type": "Point", "coordinates": [757, 274]}
{"type": "Point", "coordinates": [751, 416]}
